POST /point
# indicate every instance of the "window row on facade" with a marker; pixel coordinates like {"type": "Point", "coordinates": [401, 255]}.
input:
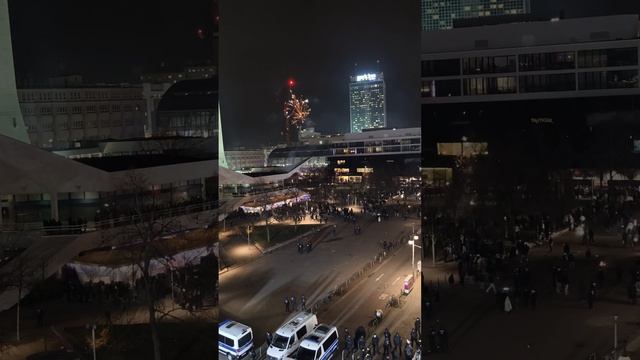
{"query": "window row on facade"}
{"type": "Point", "coordinates": [34, 96]}
{"type": "Point", "coordinates": [531, 62]}
{"type": "Point", "coordinates": [592, 80]}
{"type": "Point", "coordinates": [77, 109]}
{"type": "Point", "coordinates": [50, 124]}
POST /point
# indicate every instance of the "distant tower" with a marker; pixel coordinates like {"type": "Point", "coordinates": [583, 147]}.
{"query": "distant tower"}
{"type": "Point", "coordinates": [367, 104]}
{"type": "Point", "coordinates": [11, 122]}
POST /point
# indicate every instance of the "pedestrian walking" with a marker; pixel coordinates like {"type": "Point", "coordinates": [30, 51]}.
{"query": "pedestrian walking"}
{"type": "Point", "coordinates": [269, 338]}
{"type": "Point", "coordinates": [397, 343]}
{"type": "Point", "coordinates": [408, 351]}
{"type": "Point", "coordinates": [386, 347]}
{"type": "Point", "coordinates": [443, 339]}
{"type": "Point", "coordinates": [303, 302]}
{"type": "Point", "coordinates": [432, 340]}
{"type": "Point", "coordinates": [413, 336]}
{"type": "Point", "coordinates": [374, 344]}
{"type": "Point", "coordinates": [348, 344]}
{"type": "Point", "coordinates": [416, 325]}
{"type": "Point", "coordinates": [286, 305]}
{"type": "Point", "coordinates": [292, 303]}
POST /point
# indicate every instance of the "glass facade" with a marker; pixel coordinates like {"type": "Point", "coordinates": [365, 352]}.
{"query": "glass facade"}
{"type": "Point", "coordinates": [608, 80]}
{"type": "Point", "coordinates": [367, 102]}
{"type": "Point", "coordinates": [441, 14]}
{"type": "Point", "coordinates": [445, 67]}
{"type": "Point", "coordinates": [489, 64]}
{"type": "Point", "coordinates": [522, 73]}
{"type": "Point", "coordinates": [547, 61]}
{"type": "Point", "coordinates": [608, 57]}
{"type": "Point", "coordinates": [547, 82]}
{"type": "Point", "coordinates": [490, 85]}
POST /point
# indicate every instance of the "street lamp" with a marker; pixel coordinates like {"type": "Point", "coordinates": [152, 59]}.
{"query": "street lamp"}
{"type": "Point", "coordinates": [93, 338]}
{"type": "Point", "coordinates": [615, 332]}
{"type": "Point", "coordinates": [249, 229]}
{"type": "Point", "coordinates": [412, 242]}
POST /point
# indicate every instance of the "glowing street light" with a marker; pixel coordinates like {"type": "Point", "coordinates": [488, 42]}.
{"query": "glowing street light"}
{"type": "Point", "coordinates": [412, 242]}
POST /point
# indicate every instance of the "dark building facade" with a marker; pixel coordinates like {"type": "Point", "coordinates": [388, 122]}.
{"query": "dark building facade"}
{"type": "Point", "coordinates": [188, 108]}
{"type": "Point", "coordinates": [542, 96]}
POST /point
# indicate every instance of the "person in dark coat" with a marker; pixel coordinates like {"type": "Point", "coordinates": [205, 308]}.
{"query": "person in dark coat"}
{"type": "Point", "coordinates": [386, 347]}
{"type": "Point", "coordinates": [374, 344]}
{"type": "Point", "coordinates": [408, 351]}
{"type": "Point", "coordinates": [432, 340]}
{"type": "Point", "coordinates": [397, 343]}
{"type": "Point", "coordinates": [443, 339]}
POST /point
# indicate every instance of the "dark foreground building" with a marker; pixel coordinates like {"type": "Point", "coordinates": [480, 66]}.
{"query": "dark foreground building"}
{"type": "Point", "coordinates": [552, 101]}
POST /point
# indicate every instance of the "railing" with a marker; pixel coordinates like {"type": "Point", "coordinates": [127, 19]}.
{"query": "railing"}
{"type": "Point", "coordinates": [108, 223]}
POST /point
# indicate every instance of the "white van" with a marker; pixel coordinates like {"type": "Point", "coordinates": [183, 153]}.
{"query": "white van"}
{"type": "Point", "coordinates": [235, 340]}
{"type": "Point", "coordinates": [287, 338]}
{"type": "Point", "coordinates": [321, 344]}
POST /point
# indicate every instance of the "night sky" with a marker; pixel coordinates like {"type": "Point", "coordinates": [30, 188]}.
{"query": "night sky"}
{"type": "Point", "coordinates": [263, 43]}
{"type": "Point", "coordinates": [108, 41]}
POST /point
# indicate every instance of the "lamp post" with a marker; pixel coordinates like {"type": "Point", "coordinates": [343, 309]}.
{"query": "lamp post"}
{"type": "Point", "coordinates": [93, 338]}
{"type": "Point", "coordinates": [249, 229]}
{"type": "Point", "coordinates": [615, 332]}
{"type": "Point", "coordinates": [412, 242]}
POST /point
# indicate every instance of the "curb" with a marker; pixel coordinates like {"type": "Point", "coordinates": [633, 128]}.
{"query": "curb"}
{"type": "Point", "coordinates": [268, 251]}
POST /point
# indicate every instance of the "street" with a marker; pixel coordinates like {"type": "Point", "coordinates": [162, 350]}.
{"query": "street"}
{"type": "Point", "coordinates": [254, 293]}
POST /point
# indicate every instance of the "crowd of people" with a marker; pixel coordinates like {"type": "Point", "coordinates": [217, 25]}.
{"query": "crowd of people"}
{"type": "Point", "coordinates": [388, 347]}
{"type": "Point", "coordinates": [191, 286]}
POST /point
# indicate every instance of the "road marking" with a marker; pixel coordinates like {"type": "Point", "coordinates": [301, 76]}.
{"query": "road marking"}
{"type": "Point", "coordinates": [379, 277]}
{"type": "Point", "coordinates": [394, 281]}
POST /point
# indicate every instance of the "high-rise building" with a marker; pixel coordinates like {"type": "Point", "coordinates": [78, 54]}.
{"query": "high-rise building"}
{"type": "Point", "coordinates": [441, 14]}
{"type": "Point", "coordinates": [368, 108]}
{"type": "Point", "coordinates": [11, 123]}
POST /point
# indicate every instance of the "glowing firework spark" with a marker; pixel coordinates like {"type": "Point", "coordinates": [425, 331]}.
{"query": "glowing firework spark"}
{"type": "Point", "coordinates": [296, 110]}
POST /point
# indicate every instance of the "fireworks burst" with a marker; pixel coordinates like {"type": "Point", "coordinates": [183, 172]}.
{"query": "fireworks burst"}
{"type": "Point", "coordinates": [296, 110]}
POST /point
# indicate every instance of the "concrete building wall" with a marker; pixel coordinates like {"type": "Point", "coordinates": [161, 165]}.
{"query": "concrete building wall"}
{"type": "Point", "coordinates": [56, 118]}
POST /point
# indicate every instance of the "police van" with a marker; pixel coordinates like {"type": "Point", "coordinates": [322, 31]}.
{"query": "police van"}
{"type": "Point", "coordinates": [287, 338]}
{"type": "Point", "coordinates": [235, 340]}
{"type": "Point", "coordinates": [321, 344]}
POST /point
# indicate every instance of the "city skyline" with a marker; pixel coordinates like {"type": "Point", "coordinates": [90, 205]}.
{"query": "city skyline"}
{"type": "Point", "coordinates": [319, 57]}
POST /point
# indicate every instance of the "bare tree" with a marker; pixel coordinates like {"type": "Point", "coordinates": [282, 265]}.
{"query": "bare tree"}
{"type": "Point", "coordinates": [21, 278]}
{"type": "Point", "coordinates": [143, 235]}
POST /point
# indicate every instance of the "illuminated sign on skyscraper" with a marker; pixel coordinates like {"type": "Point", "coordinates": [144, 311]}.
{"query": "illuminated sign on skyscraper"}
{"type": "Point", "coordinates": [367, 105]}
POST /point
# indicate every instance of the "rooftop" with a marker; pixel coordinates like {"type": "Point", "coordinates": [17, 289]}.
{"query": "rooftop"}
{"type": "Point", "coordinates": [130, 162]}
{"type": "Point", "coordinates": [232, 328]}
{"type": "Point", "coordinates": [532, 33]}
